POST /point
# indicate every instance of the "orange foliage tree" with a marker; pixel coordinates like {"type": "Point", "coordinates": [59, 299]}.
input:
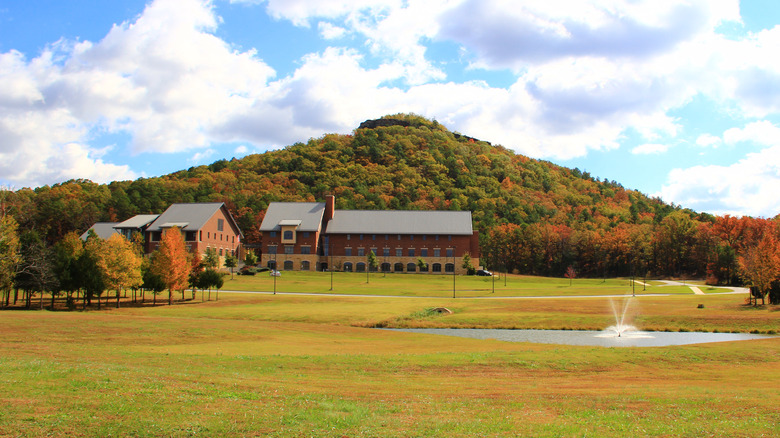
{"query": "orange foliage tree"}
{"type": "Point", "coordinates": [760, 264]}
{"type": "Point", "coordinates": [171, 262]}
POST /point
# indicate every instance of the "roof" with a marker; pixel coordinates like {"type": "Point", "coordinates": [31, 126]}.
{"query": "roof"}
{"type": "Point", "coordinates": [138, 221]}
{"type": "Point", "coordinates": [104, 230]}
{"type": "Point", "coordinates": [400, 222]}
{"type": "Point", "coordinates": [188, 217]}
{"type": "Point", "coordinates": [308, 213]}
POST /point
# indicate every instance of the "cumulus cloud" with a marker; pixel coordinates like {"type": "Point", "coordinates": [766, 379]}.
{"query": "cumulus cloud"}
{"type": "Point", "coordinates": [762, 132]}
{"type": "Point", "coordinates": [748, 187]}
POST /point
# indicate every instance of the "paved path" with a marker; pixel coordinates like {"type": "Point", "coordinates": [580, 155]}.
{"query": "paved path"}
{"type": "Point", "coordinates": [697, 291]}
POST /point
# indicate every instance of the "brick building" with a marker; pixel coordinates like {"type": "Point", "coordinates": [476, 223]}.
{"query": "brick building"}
{"type": "Point", "coordinates": [316, 236]}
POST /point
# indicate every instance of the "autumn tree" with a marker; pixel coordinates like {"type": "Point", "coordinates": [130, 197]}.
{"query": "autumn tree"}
{"type": "Point", "coordinates": [9, 255]}
{"type": "Point", "coordinates": [171, 262]}
{"type": "Point", "coordinates": [570, 274]}
{"type": "Point", "coordinates": [760, 264]}
{"type": "Point", "coordinates": [120, 264]}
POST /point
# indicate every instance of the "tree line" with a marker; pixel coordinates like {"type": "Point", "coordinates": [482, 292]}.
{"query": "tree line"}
{"type": "Point", "coordinates": [84, 272]}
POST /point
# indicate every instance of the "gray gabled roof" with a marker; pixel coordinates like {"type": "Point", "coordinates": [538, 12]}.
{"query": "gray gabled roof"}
{"type": "Point", "coordinates": [138, 221]}
{"type": "Point", "coordinates": [400, 222]}
{"type": "Point", "coordinates": [188, 217]}
{"type": "Point", "coordinates": [308, 213]}
{"type": "Point", "coordinates": [104, 230]}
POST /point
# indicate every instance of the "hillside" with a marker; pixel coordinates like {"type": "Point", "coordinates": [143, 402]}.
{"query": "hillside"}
{"type": "Point", "coordinates": [398, 162]}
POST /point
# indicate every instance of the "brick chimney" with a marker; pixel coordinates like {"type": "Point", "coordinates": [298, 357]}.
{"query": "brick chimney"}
{"type": "Point", "coordinates": [330, 208]}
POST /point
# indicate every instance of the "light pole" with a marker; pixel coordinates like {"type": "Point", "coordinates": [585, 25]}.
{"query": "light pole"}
{"type": "Point", "coordinates": [276, 269]}
{"type": "Point", "coordinates": [330, 266]}
{"type": "Point", "coordinates": [453, 273]}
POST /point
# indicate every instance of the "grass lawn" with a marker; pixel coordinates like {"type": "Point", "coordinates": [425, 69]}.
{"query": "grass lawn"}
{"type": "Point", "coordinates": [353, 283]}
{"type": "Point", "coordinates": [297, 365]}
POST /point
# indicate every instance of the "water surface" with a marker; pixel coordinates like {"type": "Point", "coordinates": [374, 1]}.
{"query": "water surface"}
{"type": "Point", "coordinates": [592, 338]}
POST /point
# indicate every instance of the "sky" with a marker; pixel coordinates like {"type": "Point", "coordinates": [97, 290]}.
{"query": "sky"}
{"type": "Point", "coordinates": [678, 99]}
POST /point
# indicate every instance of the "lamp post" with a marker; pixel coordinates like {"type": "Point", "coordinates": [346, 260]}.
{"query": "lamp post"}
{"type": "Point", "coordinates": [330, 266]}
{"type": "Point", "coordinates": [276, 269]}
{"type": "Point", "coordinates": [453, 273]}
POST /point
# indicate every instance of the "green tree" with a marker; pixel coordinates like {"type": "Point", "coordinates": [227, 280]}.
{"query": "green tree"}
{"type": "Point", "coordinates": [211, 278]}
{"type": "Point", "coordinates": [210, 258]}
{"type": "Point", "coordinates": [250, 259]}
{"type": "Point", "coordinates": [231, 262]}
{"type": "Point", "coordinates": [371, 263]}
{"type": "Point", "coordinates": [421, 265]}
{"type": "Point", "coordinates": [467, 264]}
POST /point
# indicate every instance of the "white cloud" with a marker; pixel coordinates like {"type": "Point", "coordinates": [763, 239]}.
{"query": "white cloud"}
{"type": "Point", "coordinates": [330, 31]}
{"type": "Point", "coordinates": [241, 150]}
{"type": "Point", "coordinates": [708, 140]}
{"type": "Point", "coordinates": [199, 157]}
{"type": "Point", "coordinates": [762, 132]}
{"type": "Point", "coordinates": [748, 187]}
{"type": "Point", "coordinates": [650, 148]}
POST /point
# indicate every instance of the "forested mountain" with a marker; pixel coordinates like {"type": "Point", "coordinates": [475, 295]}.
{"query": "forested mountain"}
{"type": "Point", "coordinates": [533, 216]}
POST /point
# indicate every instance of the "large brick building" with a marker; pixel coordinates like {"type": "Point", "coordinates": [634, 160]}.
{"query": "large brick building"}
{"type": "Point", "coordinates": [316, 236]}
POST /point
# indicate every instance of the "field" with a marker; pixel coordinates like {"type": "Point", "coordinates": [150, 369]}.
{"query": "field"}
{"type": "Point", "coordinates": [311, 365]}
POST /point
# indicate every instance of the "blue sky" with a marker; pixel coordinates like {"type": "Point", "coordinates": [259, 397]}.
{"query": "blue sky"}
{"type": "Point", "coordinates": [678, 99]}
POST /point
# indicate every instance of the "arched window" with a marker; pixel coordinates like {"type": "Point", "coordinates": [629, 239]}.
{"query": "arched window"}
{"type": "Point", "coordinates": [411, 267]}
{"type": "Point", "coordinates": [288, 265]}
{"type": "Point", "coordinates": [348, 267]}
{"type": "Point", "coordinates": [436, 267]}
{"type": "Point", "coordinates": [449, 267]}
{"type": "Point", "coordinates": [399, 267]}
{"type": "Point", "coordinates": [424, 268]}
{"type": "Point", "coordinates": [360, 267]}
{"type": "Point", "coordinates": [305, 265]}
{"type": "Point", "coordinates": [385, 267]}
{"type": "Point", "coordinates": [271, 264]}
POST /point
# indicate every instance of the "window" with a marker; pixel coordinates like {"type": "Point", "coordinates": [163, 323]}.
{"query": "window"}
{"type": "Point", "coordinates": [305, 265]}
{"type": "Point", "coordinates": [347, 267]}
{"type": "Point", "coordinates": [288, 235]}
{"type": "Point", "coordinates": [385, 267]}
{"type": "Point", "coordinates": [411, 267]}
{"type": "Point", "coordinates": [348, 237]}
{"type": "Point", "coordinates": [361, 237]}
{"type": "Point", "coordinates": [449, 237]}
{"type": "Point", "coordinates": [424, 252]}
{"type": "Point", "coordinates": [288, 265]}
{"type": "Point", "coordinates": [361, 252]}
{"type": "Point", "coordinates": [424, 237]}
{"type": "Point", "coordinates": [450, 252]}
{"type": "Point", "coordinates": [190, 236]}
{"type": "Point", "coordinates": [399, 237]}
{"type": "Point", "coordinates": [306, 250]}
{"type": "Point", "coordinates": [449, 267]}
{"type": "Point", "coordinates": [399, 267]}
{"type": "Point", "coordinates": [220, 251]}
{"type": "Point", "coordinates": [348, 252]}
{"type": "Point", "coordinates": [399, 252]}
{"type": "Point", "coordinates": [437, 237]}
{"type": "Point", "coordinates": [373, 251]}
{"type": "Point", "coordinates": [155, 236]}
{"type": "Point", "coordinates": [272, 234]}
{"type": "Point", "coordinates": [200, 235]}
{"type": "Point", "coordinates": [387, 236]}
{"type": "Point", "coordinates": [424, 268]}
{"type": "Point", "coordinates": [411, 237]}
{"type": "Point", "coordinates": [271, 249]}
{"type": "Point", "coordinates": [306, 234]}
{"type": "Point", "coordinates": [411, 252]}
{"type": "Point", "coordinates": [373, 237]}
{"type": "Point", "coordinates": [220, 224]}
{"type": "Point", "coordinates": [436, 252]}
{"type": "Point", "coordinates": [386, 252]}
{"type": "Point", "coordinates": [271, 264]}
{"type": "Point", "coordinates": [289, 249]}
{"type": "Point", "coordinates": [360, 267]}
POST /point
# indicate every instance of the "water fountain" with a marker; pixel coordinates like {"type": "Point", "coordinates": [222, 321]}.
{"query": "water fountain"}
{"type": "Point", "coordinates": [620, 326]}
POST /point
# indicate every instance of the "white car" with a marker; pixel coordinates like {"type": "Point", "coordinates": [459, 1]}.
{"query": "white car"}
{"type": "Point", "coordinates": [275, 273]}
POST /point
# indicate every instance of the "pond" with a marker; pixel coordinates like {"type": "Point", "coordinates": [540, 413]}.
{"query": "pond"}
{"type": "Point", "coordinates": [593, 338]}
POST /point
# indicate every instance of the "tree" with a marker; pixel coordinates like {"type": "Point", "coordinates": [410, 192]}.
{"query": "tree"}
{"type": "Point", "coordinates": [152, 282]}
{"type": "Point", "coordinates": [171, 262]}
{"type": "Point", "coordinates": [570, 274]}
{"type": "Point", "coordinates": [421, 265]}
{"type": "Point", "coordinates": [250, 259]}
{"type": "Point", "coordinates": [9, 255]}
{"type": "Point", "coordinates": [211, 259]}
{"type": "Point", "coordinates": [231, 262]}
{"type": "Point", "coordinates": [211, 278]}
{"type": "Point", "coordinates": [760, 264]}
{"type": "Point", "coordinates": [66, 254]}
{"type": "Point", "coordinates": [196, 268]}
{"type": "Point", "coordinates": [120, 264]}
{"type": "Point", "coordinates": [88, 272]}
{"type": "Point", "coordinates": [372, 263]}
{"type": "Point", "coordinates": [467, 264]}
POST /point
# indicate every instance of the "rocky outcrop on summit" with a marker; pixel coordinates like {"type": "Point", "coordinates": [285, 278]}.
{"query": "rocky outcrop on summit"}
{"type": "Point", "coordinates": [376, 123]}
